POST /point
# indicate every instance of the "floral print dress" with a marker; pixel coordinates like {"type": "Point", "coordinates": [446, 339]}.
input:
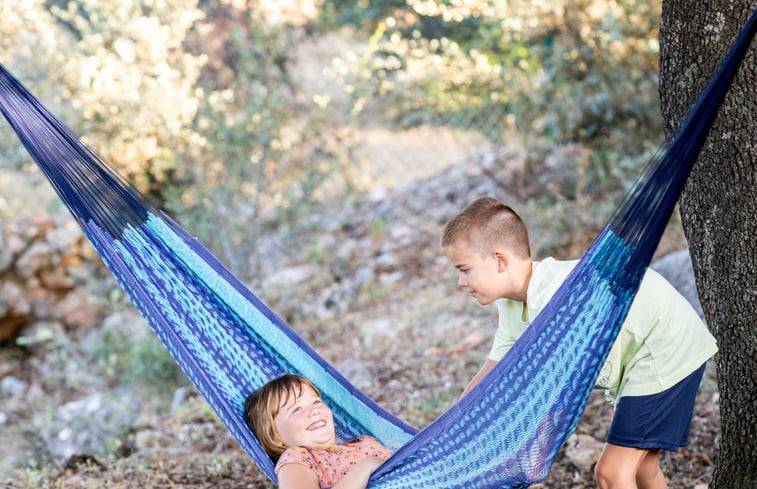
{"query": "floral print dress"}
{"type": "Point", "coordinates": [332, 463]}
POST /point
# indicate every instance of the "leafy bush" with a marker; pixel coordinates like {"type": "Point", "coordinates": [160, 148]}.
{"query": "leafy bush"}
{"type": "Point", "coordinates": [127, 352]}
{"type": "Point", "coordinates": [570, 71]}
{"type": "Point", "coordinates": [116, 72]}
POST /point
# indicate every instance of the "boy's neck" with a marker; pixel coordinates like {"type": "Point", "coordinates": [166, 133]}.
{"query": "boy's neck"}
{"type": "Point", "coordinates": [525, 270]}
{"type": "Point", "coordinates": [527, 279]}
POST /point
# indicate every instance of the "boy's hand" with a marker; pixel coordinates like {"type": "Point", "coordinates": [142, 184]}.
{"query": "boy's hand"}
{"type": "Point", "coordinates": [485, 369]}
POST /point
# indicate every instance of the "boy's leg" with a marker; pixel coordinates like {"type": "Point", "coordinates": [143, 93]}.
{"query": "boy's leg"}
{"type": "Point", "coordinates": [649, 475]}
{"type": "Point", "coordinates": [641, 426]}
{"type": "Point", "coordinates": [629, 468]}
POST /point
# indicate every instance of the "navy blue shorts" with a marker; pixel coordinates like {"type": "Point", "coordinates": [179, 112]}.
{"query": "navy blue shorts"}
{"type": "Point", "coordinates": [659, 420]}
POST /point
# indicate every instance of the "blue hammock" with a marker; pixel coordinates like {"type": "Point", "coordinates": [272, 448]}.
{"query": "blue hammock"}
{"type": "Point", "coordinates": [504, 434]}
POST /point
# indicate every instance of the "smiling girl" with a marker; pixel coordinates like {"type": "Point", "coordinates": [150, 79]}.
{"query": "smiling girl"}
{"type": "Point", "coordinates": [296, 429]}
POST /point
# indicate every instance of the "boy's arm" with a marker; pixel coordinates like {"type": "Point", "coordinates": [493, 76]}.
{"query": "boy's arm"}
{"type": "Point", "coordinates": [487, 366]}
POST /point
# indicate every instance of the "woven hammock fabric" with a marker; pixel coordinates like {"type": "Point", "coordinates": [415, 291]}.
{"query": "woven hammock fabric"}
{"type": "Point", "coordinates": [504, 434]}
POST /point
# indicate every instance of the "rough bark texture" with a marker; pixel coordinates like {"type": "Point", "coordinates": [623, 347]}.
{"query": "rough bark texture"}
{"type": "Point", "coordinates": [718, 210]}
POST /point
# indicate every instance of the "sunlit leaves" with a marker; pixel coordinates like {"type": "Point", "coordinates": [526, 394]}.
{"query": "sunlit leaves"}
{"type": "Point", "coordinates": [118, 72]}
{"type": "Point", "coordinates": [571, 70]}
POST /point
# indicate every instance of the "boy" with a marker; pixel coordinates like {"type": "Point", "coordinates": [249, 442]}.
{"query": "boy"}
{"type": "Point", "coordinates": [653, 370]}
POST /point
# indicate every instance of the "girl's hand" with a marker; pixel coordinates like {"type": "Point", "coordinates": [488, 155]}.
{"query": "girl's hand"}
{"type": "Point", "coordinates": [357, 477]}
{"type": "Point", "coordinates": [371, 462]}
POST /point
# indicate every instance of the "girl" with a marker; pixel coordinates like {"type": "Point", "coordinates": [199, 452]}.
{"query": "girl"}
{"type": "Point", "coordinates": [296, 429]}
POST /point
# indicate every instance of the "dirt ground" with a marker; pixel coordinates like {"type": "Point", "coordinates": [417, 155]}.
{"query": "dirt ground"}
{"type": "Point", "coordinates": [212, 459]}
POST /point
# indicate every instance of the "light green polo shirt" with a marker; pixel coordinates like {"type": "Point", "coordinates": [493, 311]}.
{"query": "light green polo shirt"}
{"type": "Point", "coordinates": [661, 342]}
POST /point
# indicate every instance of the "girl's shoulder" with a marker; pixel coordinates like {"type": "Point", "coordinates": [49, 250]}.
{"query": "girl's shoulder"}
{"type": "Point", "coordinates": [362, 440]}
{"type": "Point", "coordinates": [370, 446]}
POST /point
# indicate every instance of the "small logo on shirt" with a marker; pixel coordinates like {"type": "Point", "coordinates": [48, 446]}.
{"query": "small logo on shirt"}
{"type": "Point", "coordinates": [604, 375]}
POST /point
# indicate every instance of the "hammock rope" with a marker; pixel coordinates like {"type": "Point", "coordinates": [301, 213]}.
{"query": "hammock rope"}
{"type": "Point", "coordinates": [504, 434]}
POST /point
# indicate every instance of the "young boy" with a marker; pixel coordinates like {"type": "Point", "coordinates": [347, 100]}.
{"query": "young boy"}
{"type": "Point", "coordinates": [653, 371]}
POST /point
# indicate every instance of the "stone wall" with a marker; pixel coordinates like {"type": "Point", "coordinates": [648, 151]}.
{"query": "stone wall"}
{"type": "Point", "coordinates": [45, 265]}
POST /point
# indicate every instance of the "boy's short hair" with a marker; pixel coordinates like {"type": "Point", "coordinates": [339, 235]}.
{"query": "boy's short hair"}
{"type": "Point", "coordinates": [484, 225]}
{"type": "Point", "coordinates": [262, 406]}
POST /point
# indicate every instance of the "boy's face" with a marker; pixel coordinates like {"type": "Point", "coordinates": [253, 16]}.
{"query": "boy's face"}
{"type": "Point", "coordinates": [479, 274]}
{"type": "Point", "coordinates": [305, 421]}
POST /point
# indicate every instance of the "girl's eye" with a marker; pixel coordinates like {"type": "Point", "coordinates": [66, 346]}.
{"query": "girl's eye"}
{"type": "Point", "coordinates": [317, 401]}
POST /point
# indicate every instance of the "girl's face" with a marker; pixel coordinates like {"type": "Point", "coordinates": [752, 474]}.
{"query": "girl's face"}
{"type": "Point", "coordinates": [305, 421]}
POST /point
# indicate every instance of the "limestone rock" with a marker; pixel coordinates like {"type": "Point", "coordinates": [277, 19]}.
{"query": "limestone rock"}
{"type": "Point", "coordinates": [583, 451]}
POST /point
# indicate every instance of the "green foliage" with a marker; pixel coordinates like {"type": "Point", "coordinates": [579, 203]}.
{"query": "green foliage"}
{"type": "Point", "coordinates": [196, 410]}
{"type": "Point", "coordinates": [133, 355]}
{"type": "Point", "coordinates": [40, 459]}
{"type": "Point", "coordinates": [268, 154]}
{"type": "Point", "coordinates": [572, 82]}
{"type": "Point", "coordinates": [571, 71]}
{"type": "Point", "coordinates": [365, 14]}
{"type": "Point", "coordinates": [113, 71]}
{"type": "Point", "coordinates": [242, 121]}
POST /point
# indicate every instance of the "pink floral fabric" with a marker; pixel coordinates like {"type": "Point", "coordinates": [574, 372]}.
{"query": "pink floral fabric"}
{"type": "Point", "coordinates": [332, 463]}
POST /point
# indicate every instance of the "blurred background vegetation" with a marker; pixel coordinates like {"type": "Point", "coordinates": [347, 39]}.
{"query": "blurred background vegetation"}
{"type": "Point", "coordinates": [263, 111]}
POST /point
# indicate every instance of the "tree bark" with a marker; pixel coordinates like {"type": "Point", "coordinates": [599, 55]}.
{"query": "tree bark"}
{"type": "Point", "coordinates": [718, 210]}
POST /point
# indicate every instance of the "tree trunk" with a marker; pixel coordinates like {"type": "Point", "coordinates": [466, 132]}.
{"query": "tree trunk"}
{"type": "Point", "coordinates": [718, 209]}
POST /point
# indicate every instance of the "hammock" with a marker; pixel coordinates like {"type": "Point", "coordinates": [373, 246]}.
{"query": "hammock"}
{"type": "Point", "coordinates": [504, 434]}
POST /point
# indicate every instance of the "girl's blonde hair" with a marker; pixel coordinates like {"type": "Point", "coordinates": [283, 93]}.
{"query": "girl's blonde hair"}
{"type": "Point", "coordinates": [262, 406]}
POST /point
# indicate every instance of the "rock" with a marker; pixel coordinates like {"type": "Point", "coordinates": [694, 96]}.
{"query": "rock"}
{"type": "Point", "coordinates": [36, 258]}
{"type": "Point", "coordinates": [401, 235]}
{"type": "Point", "coordinates": [56, 279]}
{"type": "Point", "coordinates": [43, 258]}
{"type": "Point", "coordinates": [180, 396]}
{"type": "Point", "coordinates": [6, 255]}
{"type": "Point", "coordinates": [380, 333]}
{"type": "Point", "coordinates": [86, 425]}
{"type": "Point", "coordinates": [677, 268]}
{"type": "Point", "coordinates": [288, 280]}
{"type": "Point", "coordinates": [13, 300]}
{"type": "Point", "coordinates": [40, 332]}
{"type": "Point", "coordinates": [347, 251]}
{"type": "Point", "coordinates": [331, 301]}
{"type": "Point", "coordinates": [13, 387]}
{"type": "Point", "coordinates": [10, 325]}
{"type": "Point", "coordinates": [151, 439]}
{"type": "Point", "coordinates": [358, 373]}
{"type": "Point", "coordinates": [583, 451]}
{"type": "Point", "coordinates": [76, 309]}
{"type": "Point", "coordinates": [64, 238]}
{"type": "Point", "coordinates": [14, 243]}
{"type": "Point", "coordinates": [363, 275]}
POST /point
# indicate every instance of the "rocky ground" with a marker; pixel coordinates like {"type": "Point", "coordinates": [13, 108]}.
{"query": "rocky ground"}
{"type": "Point", "coordinates": [371, 279]}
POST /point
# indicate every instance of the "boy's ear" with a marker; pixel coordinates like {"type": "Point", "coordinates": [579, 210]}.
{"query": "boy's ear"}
{"type": "Point", "coordinates": [501, 258]}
